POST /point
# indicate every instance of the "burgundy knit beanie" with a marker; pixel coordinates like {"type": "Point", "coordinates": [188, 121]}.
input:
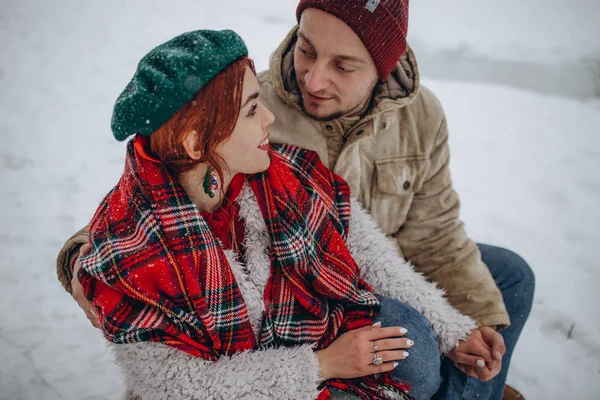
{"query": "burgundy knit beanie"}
{"type": "Point", "coordinates": [380, 24]}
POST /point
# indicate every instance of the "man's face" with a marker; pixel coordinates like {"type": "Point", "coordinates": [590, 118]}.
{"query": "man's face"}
{"type": "Point", "coordinates": [334, 70]}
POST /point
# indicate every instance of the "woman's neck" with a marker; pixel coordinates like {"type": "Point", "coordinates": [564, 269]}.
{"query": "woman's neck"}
{"type": "Point", "coordinates": [191, 182]}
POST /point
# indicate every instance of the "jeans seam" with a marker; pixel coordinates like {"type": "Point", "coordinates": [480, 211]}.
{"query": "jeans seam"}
{"type": "Point", "coordinates": [467, 386]}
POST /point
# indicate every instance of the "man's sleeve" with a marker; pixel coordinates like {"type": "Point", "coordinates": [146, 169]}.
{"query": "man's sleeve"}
{"type": "Point", "coordinates": [433, 239]}
{"type": "Point", "coordinates": [68, 255]}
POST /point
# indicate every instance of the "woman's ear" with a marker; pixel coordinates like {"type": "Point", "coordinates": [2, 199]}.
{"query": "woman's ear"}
{"type": "Point", "coordinates": [190, 144]}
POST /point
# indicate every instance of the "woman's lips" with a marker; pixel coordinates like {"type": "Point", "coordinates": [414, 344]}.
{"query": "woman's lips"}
{"type": "Point", "coordinates": [264, 145]}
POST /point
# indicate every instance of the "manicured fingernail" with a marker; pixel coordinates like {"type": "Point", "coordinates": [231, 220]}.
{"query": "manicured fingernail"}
{"type": "Point", "coordinates": [480, 363]}
{"type": "Point", "coordinates": [403, 331]}
{"type": "Point", "coordinates": [93, 312]}
{"type": "Point", "coordinates": [405, 353]}
{"type": "Point", "coordinates": [409, 342]}
{"type": "Point", "coordinates": [498, 354]}
{"type": "Point", "coordinates": [378, 323]}
{"type": "Point", "coordinates": [395, 364]}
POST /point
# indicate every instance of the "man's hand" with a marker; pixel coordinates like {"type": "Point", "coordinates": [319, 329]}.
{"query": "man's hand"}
{"type": "Point", "coordinates": [91, 312]}
{"type": "Point", "coordinates": [480, 355]}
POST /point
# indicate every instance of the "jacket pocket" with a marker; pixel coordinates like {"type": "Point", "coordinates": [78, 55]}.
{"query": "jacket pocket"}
{"type": "Point", "coordinates": [396, 182]}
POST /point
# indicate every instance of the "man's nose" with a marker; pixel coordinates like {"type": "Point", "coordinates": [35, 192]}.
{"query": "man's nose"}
{"type": "Point", "coordinates": [316, 78]}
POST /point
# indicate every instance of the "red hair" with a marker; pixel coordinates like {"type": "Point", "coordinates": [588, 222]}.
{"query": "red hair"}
{"type": "Point", "coordinates": [212, 113]}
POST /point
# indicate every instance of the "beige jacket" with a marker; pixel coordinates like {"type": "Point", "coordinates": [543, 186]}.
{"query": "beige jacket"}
{"type": "Point", "coordinates": [396, 160]}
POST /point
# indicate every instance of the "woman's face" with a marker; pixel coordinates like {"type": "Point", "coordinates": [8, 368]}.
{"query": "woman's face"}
{"type": "Point", "coordinates": [246, 150]}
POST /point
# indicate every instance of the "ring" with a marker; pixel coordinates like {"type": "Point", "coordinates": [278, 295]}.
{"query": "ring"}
{"type": "Point", "coordinates": [377, 360]}
{"type": "Point", "coordinates": [375, 347]}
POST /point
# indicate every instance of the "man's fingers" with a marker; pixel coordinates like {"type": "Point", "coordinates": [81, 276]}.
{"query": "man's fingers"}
{"type": "Point", "coordinates": [467, 370]}
{"type": "Point", "coordinates": [479, 349]}
{"type": "Point", "coordinates": [92, 312]}
{"type": "Point", "coordinates": [471, 372]}
{"type": "Point", "coordinates": [486, 374]}
{"type": "Point", "coordinates": [95, 322]}
{"type": "Point", "coordinates": [467, 359]}
{"type": "Point", "coordinates": [498, 351]}
{"type": "Point", "coordinates": [84, 249]}
{"type": "Point", "coordinates": [495, 341]}
{"type": "Point", "coordinates": [92, 315]}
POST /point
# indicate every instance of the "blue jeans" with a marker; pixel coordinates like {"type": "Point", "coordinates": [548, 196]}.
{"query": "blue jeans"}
{"type": "Point", "coordinates": [517, 284]}
{"type": "Point", "coordinates": [429, 375]}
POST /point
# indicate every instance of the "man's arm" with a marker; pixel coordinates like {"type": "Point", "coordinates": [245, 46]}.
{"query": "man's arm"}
{"type": "Point", "coordinates": [433, 239]}
{"type": "Point", "coordinates": [68, 255]}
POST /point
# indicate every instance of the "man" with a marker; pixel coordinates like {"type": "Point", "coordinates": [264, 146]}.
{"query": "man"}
{"type": "Point", "coordinates": [344, 84]}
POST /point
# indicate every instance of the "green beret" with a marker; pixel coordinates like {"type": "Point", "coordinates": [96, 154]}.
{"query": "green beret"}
{"type": "Point", "coordinates": [170, 76]}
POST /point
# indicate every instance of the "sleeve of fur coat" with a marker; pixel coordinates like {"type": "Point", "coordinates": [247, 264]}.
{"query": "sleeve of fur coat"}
{"type": "Point", "coordinates": [158, 372]}
{"type": "Point", "coordinates": [392, 276]}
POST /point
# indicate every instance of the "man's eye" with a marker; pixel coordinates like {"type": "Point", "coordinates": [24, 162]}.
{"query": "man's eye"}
{"type": "Point", "coordinates": [306, 52]}
{"type": "Point", "coordinates": [345, 70]}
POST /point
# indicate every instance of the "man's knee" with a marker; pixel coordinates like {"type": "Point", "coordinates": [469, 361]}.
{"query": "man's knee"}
{"type": "Point", "coordinates": [519, 306]}
{"type": "Point", "coordinates": [514, 276]}
{"type": "Point", "coordinates": [422, 367]}
{"type": "Point", "coordinates": [525, 273]}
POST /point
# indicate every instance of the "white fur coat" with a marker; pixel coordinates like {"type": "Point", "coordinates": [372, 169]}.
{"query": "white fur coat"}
{"type": "Point", "coordinates": [158, 372]}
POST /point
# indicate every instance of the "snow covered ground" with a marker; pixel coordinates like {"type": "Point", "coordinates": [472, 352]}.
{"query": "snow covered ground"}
{"type": "Point", "coordinates": [550, 46]}
{"type": "Point", "coordinates": [524, 163]}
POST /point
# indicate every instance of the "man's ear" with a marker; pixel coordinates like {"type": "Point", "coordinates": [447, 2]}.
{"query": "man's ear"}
{"type": "Point", "coordinates": [190, 144]}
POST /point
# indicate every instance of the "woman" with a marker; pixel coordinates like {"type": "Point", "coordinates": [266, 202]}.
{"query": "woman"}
{"type": "Point", "coordinates": [224, 267]}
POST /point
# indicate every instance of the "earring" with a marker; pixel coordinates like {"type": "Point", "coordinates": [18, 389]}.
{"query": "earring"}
{"type": "Point", "coordinates": [210, 182]}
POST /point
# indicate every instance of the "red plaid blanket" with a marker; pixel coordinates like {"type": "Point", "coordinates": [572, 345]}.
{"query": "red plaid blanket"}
{"type": "Point", "coordinates": [158, 274]}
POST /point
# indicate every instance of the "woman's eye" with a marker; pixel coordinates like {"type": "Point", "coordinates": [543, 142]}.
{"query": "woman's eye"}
{"type": "Point", "coordinates": [253, 110]}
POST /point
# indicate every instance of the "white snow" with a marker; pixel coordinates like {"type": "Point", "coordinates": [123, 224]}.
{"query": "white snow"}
{"type": "Point", "coordinates": [525, 165]}
{"type": "Point", "coordinates": [541, 31]}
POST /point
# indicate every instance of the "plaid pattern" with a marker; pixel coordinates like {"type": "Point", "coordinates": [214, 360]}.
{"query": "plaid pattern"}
{"type": "Point", "coordinates": [158, 274]}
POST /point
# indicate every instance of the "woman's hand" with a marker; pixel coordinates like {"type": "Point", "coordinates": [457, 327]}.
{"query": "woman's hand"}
{"type": "Point", "coordinates": [352, 354]}
{"type": "Point", "coordinates": [91, 312]}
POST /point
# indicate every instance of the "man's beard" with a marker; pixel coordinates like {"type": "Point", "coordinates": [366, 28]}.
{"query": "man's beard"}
{"type": "Point", "coordinates": [358, 107]}
{"type": "Point", "coordinates": [321, 119]}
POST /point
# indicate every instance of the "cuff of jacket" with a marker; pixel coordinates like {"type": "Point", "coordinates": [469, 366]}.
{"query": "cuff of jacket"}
{"type": "Point", "coordinates": [67, 257]}
{"type": "Point", "coordinates": [496, 321]}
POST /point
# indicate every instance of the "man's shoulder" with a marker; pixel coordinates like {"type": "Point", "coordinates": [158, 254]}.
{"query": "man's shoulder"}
{"type": "Point", "coordinates": [426, 103]}
{"type": "Point", "coordinates": [417, 124]}
{"type": "Point", "coordinates": [423, 117]}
